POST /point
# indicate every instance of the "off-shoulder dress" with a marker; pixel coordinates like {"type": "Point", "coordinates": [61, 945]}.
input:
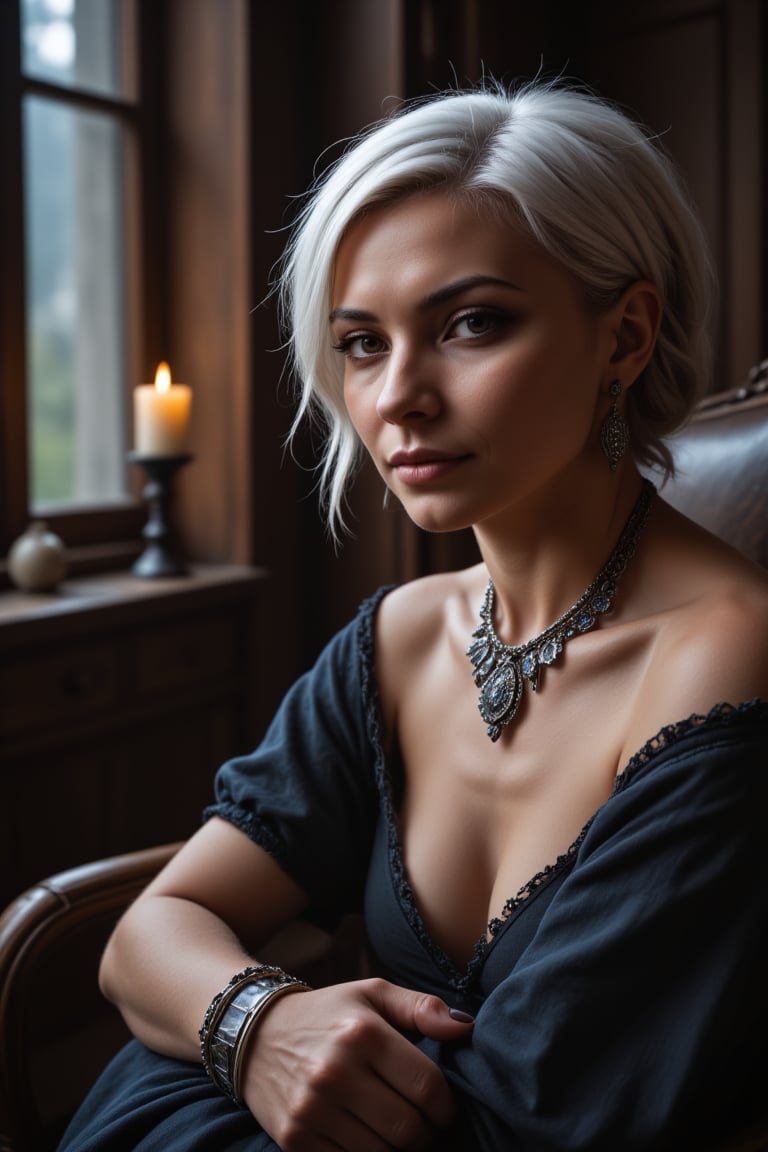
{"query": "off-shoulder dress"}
{"type": "Point", "coordinates": [620, 998]}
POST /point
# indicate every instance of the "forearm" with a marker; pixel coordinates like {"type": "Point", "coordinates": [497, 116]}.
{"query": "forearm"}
{"type": "Point", "coordinates": [211, 909]}
{"type": "Point", "coordinates": [170, 956]}
{"type": "Point", "coordinates": [165, 962]}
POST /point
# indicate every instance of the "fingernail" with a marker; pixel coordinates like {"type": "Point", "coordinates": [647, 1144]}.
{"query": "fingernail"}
{"type": "Point", "coordinates": [462, 1017]}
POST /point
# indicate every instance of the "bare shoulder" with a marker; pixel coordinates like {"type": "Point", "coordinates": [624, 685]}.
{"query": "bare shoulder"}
{"type": "Point", "coordinates": [421, 622]}
{"type": "Point", "coordinates": [413, 618]}
{"type": "Point", "coordinates": [720, 640]}
{"type": "Point", "coordinates": [711, 639]}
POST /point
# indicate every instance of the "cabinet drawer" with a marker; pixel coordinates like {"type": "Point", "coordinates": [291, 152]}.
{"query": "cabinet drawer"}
{"type": "Point", "coordinates": [177, 655]}
{"type": "Point", "coordinates": [34, 693]}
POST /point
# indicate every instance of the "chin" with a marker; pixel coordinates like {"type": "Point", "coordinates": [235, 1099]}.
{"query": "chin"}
{"type": "Point", "coordinates": [437, 523]}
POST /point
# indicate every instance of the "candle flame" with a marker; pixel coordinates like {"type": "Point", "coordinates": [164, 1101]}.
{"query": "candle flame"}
{"type": "Point", "coordinates": [163, 377]}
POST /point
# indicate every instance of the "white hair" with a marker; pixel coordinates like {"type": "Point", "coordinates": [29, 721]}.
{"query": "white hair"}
{"type": "Point", "coordinates": [587, 184]}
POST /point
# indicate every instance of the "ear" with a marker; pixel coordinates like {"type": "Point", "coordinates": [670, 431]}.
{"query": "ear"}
{"type": "Point", "coordinates": [635, 319]}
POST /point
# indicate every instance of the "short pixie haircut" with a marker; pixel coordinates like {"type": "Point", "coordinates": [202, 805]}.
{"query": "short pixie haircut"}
{"type": "Point", "coordinates": [570, 170]}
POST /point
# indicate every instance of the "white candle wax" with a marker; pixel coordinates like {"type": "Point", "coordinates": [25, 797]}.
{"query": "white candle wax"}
{"type": "Point", "coordinates": [161, 416]}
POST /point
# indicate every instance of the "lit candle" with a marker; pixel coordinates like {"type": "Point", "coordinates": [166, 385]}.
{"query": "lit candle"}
{"type": "Point", "coordinates": [161, 416]}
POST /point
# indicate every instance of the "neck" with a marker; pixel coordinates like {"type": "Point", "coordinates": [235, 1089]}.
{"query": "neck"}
{"type": "Point", "coordinates": [501, 670]}
{"type": "Point", "coordinates": [547, 549]}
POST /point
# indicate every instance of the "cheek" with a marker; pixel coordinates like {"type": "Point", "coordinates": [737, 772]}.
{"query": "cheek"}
{"type": "Point", "coordinates": [538, 399]}
{"type": "Point", "coordinates": [557, 366]}
{"type": "Point", "coordinates": [361, 410]}
{"type": "Point", "coordinates": [506, 386]}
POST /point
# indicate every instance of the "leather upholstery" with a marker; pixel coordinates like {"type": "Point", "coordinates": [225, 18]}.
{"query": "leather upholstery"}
{"type": "Point", "coordinates": [56, 1030]}
{"type": "Point", "coordinates": [54, 1025]}
{"type": "Point", "coordinates": [721, 460]}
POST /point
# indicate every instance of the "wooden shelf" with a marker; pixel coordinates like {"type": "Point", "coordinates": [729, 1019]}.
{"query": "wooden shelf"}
{"type": "Point", "coordinates": [119, 698]}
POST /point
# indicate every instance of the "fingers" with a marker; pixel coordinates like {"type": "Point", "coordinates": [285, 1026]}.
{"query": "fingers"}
{"type": "Point", "coordinates": [418, 1012]}
{"type": "Point", "coordinates": [332, 1069]}
{"type": "Point", "coordinates": [415, 1080]}
{"type": "Point", "coordinates": [412, 1075]}
{"type": "Point", "coordinates": [350, 1109]}
{"type": "Point", "coordinates": [403, 1094]}
{"type": "Point", "coordinates": [321, 1125]}
{"type": "Point", "coordinates": [393, 1120]}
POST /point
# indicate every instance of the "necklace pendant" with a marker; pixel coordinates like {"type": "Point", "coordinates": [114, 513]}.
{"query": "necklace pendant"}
{"type": "Point", "coordinates": [500, 697]}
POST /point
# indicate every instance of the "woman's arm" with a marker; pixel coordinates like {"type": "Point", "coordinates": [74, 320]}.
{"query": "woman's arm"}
{"type": "Point", "coordinates": [324, 1069]}
{"type": "Point", "coordinates": [271, 849]}
{"type": "Point", "coordinates": [211, 909]}
{"type": "Point", "coordinates": [331, 1069]}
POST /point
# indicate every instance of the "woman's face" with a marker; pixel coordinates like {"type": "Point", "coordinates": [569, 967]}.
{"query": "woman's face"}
{"type": "Point", "coordinates": [472, 371]}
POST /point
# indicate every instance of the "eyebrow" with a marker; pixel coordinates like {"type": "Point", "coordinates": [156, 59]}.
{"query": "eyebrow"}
{"type": "Point", "coordinates": [439, 296]}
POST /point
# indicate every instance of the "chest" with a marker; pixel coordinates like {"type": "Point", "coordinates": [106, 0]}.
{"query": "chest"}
{"type": "Point", "coordinates": [478, 820]}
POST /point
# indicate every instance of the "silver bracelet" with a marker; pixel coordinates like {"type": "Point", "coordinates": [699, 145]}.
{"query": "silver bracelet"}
{"type": "Point", "coordinates": [231, 1016]}
{"type": "Point", "coordinates": [260, 1002]}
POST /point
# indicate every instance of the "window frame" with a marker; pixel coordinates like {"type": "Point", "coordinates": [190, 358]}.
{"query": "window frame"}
{"type": "Point", "coordinates": [107, 536]}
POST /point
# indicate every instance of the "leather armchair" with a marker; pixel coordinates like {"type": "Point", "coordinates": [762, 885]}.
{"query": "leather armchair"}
{"type": "Point", "coordinates": [57, 1032]}
{"type": "Point", "coordinates": [721, 458]}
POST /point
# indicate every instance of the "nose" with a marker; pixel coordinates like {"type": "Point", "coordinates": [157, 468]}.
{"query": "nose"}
{"type": "Point", "coordinates": [410, 389]}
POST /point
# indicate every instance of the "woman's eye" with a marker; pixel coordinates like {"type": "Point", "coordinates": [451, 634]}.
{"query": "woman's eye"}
{"type": "Point", "coordinates": [474, 324]}
{"type": "Point", "coordinates": [358, 346]}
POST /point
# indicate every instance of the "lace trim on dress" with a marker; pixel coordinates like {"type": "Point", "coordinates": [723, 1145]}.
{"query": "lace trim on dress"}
{"type": "Point", "coordinates": [536, 882]}
{"type": "Point", "coordinates": [372, 707]}
{"type": "Point", "coordinates": [720, 716]}
{"type": "Point", "coordinates": [464, 981]}
{"type": "Point", "coordinates": [254, 828]}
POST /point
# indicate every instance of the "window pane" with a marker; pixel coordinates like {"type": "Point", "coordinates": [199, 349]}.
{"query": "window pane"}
{"type": "Point", "coordinates": [75, 307]}
{"type": "Point", "coordinates": [72, 42]}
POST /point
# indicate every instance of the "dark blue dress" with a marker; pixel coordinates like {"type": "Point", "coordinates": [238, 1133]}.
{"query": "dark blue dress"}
{"type": "Point", "coordinates": [620, 1002]}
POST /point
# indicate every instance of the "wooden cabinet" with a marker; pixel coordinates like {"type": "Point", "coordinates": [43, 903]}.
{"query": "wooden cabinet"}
{"type": "Point", "coordinates": [119, 698]}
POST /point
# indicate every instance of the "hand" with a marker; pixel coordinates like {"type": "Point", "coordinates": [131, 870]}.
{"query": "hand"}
{"type": "Point", "coordinates": [328, 1070]}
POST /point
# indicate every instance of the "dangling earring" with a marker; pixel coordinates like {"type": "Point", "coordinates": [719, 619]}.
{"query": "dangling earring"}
{"type": "Point", "coordinates": [614, 433]}
{"type": "Point", "coordinates": [385, 501]}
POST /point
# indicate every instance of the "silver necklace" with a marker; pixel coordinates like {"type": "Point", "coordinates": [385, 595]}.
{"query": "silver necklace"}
{"type": "Point", "coordinates": [501, 669]}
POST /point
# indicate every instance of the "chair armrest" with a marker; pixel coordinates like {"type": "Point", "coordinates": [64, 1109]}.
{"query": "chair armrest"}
{"type": "Point", "coordinates": [56, 1030]}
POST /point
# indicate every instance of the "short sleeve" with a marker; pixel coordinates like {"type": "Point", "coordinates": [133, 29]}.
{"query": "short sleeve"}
{"type": "Point", "coordinates": [308, 793]}
{"type": "Point", "coordinates": [636, 1018]}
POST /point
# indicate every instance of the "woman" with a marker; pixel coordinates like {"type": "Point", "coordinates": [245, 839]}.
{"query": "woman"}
{"type": "Point", "coordinates": [505, 300]}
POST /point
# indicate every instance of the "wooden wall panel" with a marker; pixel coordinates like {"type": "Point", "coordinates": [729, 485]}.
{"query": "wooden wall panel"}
{"type": "Point", "coordinates": [209, 224]}
{"type": "Point", "coordinates": [692, 71]}
{"type": "Point", "coordinates": [352, 74]}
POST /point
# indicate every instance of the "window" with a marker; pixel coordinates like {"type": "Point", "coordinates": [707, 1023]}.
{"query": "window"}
{"type": "Point", "coordinates": [72, 130]}
{"type": "Point", "coordinates": [74, 172]}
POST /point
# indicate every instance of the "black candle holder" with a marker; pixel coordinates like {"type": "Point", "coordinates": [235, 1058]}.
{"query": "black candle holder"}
{"type": "Point", "coordinates": [161, 556]}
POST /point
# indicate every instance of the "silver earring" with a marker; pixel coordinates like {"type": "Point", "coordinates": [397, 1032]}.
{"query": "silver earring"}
{"type": "Point", "coordinates": [385, 501]}
{"type": "Point", "coordinates": [614, 433]}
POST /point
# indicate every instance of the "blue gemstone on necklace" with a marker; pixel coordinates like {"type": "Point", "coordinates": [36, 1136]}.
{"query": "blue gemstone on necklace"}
{"type": "Point", "coordinates": [549, 651]}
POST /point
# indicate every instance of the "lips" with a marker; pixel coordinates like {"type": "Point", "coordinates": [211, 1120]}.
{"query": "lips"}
{"type": "Point", "coordinates": [417, 466]}
{"type": "Point", "coordinates": [414, 457]}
